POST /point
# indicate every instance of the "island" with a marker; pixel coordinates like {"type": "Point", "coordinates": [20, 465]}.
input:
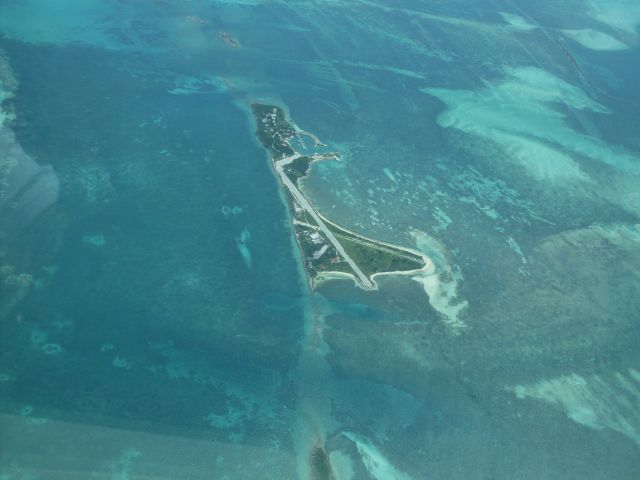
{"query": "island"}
{"type": "Point", "coordinates": [328, 250]}
{"type": "Point", "coordinates": [229, 39]}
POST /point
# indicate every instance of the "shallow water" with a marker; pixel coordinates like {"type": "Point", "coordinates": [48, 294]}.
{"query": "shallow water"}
{"type": "Point", "coordinates": [156, 322]}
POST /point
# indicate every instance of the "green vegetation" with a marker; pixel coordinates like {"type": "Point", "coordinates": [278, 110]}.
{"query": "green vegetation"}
{"type": "Point", "coordinates": [315, 264]}
{"type": "Point", "coordinates": [273, 129]}
{"type": "Point", "coordinates": [319, 254]}
{"type": "Point", "coordinates": [305, 217]}
{"type": "Point", "coordinates": [298, 169]}
{"type": "Point", "coordinates": [299, 214]}
{"type": "Point", "coordinates": [372, 258]}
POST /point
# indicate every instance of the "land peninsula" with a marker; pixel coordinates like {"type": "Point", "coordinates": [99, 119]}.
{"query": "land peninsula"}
{"type": "Point", "coordinates": [328, 250]}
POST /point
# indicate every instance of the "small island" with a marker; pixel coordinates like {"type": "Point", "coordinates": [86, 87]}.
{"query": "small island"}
{"type": "Point", "coordinates": [229, 39]}
{"type": "Point", "coordinates": [328, 250]}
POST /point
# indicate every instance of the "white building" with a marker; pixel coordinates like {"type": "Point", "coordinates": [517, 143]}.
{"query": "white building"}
{"type": "Point", "coordinates": [320, 252]}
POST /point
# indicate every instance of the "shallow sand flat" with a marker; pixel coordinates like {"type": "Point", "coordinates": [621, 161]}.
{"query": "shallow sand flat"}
{"type": "Point", "coordinates": [519, 114]}
{"type": "Point", "coordinates": [199, 285]}
{"type": "Point", "coordinates": [375, 462]}
{"type": "Point", "coordinates": [595, 40]}
{"type": "Point", "coordinates": [440, 281]}
{"type": "Point", "coordinates": [517, 22]}
{"type": "Point", "coordinates": [623, 15]}
{"type": "Point", "coordinates": [609, 401]}
{"type": "Point", "coordinates": [41, 22]}
{"type": "Point", "coordinates": [103, 452]}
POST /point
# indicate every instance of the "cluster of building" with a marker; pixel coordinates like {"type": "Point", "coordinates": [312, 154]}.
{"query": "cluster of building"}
{"type": "Point", "coordinates": [320, 248]}
{"type": "Point", "coordinates": [316, 239]}
{"type": "Point", "coordinates": [270, 120]}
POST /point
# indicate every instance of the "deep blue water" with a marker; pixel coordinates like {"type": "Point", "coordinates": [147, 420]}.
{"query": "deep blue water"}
{"type": "Point", "coordinates": [165, 328]}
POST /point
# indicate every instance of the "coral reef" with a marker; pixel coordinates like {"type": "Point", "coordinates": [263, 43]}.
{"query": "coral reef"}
{"type": "Point", "coordinates": [94, 240]}
{"type": "Point", "coordinates": [51, 348]}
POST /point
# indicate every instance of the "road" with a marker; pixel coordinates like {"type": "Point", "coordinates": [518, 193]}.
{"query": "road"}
{"type": "Point", "coordinates": [304, 203]}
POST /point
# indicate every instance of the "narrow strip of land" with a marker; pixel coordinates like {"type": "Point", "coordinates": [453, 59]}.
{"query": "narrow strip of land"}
{"type": "Point", "coordinates": [304, 203]}
{"type": "Point", "coordinates": [328, 250]}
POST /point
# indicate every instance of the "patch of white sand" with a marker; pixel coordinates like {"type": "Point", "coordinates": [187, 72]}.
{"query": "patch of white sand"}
{"type": "Point", "coordinates": [621, 235]}
{"type": "Point", "coordinates": [622, 15]}
{"type": "Point", "coordinates": [520, 115]}
{"type": "Point", "coordinates": [513, 245]}
{"type": "Point", "coordinates": [595, 40]}
{"type": "Point", "coordinates": [596, 401]}
{"type": "Point", "coordinates": [541, 162]}
{"type": "Point", "coordinates": [516, 21]}
{"type": "Point", "coordinates": [341, 465]}
{"type": "Point", "coordinates": [389, 175]}
{"type": "Point", "coordinates": [440, 281]}
{"type": "Point", "coordinates": [188, 85]}
{"type": "Point", "coordinates": [241, 242]}
{"type": "Point", "coordinates": [375, 462]}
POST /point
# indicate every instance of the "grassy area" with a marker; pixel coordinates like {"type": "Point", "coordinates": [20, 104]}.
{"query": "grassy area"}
{"type": "Point", "coordinates": [305, 217]}
{"type": "Point", "coordinates": [370, 256]}
{"type": "Point", "coordinates": [340, 267]}
{"type": "Point", "coordinates": [374, 259]}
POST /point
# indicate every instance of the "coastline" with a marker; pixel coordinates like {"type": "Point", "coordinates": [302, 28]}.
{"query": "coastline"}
{"type": "Point", "coordinates": [325, 277]}
{"type": "Point", "coordinates": [296, 199]}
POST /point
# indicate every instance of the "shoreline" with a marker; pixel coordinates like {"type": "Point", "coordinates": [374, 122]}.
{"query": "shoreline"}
{"type": "Point", "coordinates": [277, 160]}
{"type": "Point", "coordinates": [327, 276]}
{"type": "Point", "coordinates": [376, 242]}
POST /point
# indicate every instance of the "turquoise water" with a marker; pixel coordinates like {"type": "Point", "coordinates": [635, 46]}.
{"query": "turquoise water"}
{"type": "Point", "coordinates": [156, 322]}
